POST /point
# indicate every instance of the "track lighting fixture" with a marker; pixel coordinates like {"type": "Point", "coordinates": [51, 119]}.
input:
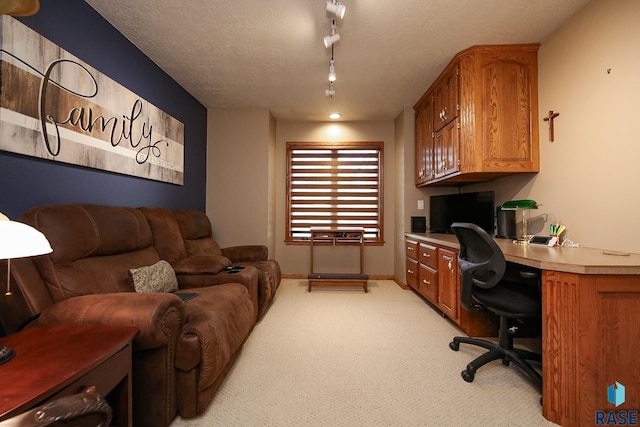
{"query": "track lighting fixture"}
{"type": "Point", "coordinates": [335, 9]}
{"type": "Point", "coordinates": [333, 38]}
{"type": "Point", "coordinates": [332, 72]}
{"type": "Point", "coordinates": [330, 40]}
{"type": "Point", "coordinates": [331, 91]}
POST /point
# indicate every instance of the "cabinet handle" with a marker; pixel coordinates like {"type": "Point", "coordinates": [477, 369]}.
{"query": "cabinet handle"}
{"type": "Point", "coordinates": [450, 265]}
{"type": "Point", "coordinates": [426, 282]}
{"type": "Point", "coordinates": [409, 248]}
{"type": "Point", "coordinates": [410, 271]}
{"type": "Point", "coordinates": [426, 255]}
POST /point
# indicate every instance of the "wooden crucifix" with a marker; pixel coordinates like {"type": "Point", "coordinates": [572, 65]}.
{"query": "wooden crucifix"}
{"type": "Point", "coordinates": [549, 119]}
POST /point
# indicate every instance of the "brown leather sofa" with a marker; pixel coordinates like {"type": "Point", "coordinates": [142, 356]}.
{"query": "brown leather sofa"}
{"type": "Point", "coordinates": [184, 236]}
{"type": "Point", "coordinates": [183, 350]}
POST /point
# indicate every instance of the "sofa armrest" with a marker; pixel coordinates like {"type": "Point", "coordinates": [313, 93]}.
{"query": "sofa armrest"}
{"type": "Point", "coordinates": [160, 317]}
{"type": "Point", "coordinates": [247, 276]}
{"type": "Point", "coordinates": [246, 253]}
{"type": "Point", "coordinates": [201, 264]}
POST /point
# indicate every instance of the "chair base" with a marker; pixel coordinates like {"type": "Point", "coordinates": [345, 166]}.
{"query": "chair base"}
{"type": "Point", "coordinates": [502, 350]}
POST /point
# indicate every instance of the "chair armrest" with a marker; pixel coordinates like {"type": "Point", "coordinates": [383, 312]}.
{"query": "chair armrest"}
{"type": "Point", "coordinates": [160, 317]}
{"type": "Point", "coordinates": [201, 264]}
{"type": "Point", "coordinates": [246, 253]}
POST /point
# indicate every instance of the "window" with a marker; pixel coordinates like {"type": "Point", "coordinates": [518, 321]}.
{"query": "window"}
{"type": "Point", "coordinates": [334, 185]}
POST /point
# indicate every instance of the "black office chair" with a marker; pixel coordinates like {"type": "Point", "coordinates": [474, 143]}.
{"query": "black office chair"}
{"type": "Point", "coordinates": [483, 287]}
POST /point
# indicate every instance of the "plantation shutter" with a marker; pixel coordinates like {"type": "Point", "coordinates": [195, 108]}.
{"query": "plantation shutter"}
{"type": "Point", "coordinates": [334, 185]}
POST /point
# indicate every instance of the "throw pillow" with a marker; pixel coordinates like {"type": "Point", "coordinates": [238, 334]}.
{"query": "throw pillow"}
{"type": "Point", "coordinates": [158, 277]}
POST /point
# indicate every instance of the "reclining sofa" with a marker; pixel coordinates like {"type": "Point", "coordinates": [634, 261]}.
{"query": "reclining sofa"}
{"type": "Point", "coordinates": [104, 270]}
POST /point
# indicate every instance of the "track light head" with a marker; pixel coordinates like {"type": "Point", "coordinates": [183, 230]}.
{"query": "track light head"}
{"type": "Point", "coordinates": [332, 73]}
{"type": "Point", "coordinates": [330, 40]}
{"type": "Point", "coordinates": [336, 10]}
{"type": "Point", "coordinates": [329, 92]}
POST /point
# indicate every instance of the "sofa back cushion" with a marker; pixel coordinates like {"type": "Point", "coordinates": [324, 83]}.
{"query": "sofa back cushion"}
{"type": "Point", "coordinates": [93, 247]}
{"type": "Point", "coordinates": [167, 237]}
{"type": "Point", "coordinates": [196, 232]}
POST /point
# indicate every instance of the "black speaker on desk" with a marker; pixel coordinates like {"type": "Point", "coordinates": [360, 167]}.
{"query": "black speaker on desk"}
{"type": "Point", "coordinates": [506, 223]}
{"type": "Point", "coordinates": [418, 224]}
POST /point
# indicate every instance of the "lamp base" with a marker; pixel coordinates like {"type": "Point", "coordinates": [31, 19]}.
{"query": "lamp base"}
{"type": "Point", "coordinates": [6, 354]}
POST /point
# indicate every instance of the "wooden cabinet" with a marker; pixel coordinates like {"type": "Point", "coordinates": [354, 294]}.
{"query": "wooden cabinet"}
{"type": "Point", "coordinates": [446, 155]}
{"type": "Point", "coordinates": [445, 95]}
{"type": "Point", "coordinates": [424, 142]}
{"type": "Point", "coordinates": [411, 263]}
{"type": "Point", "coordinates": [448, 283]}
{"type": "Point", "coordinates": [427, 272]}
{"type": "Point", "coordinates": [485, 116]}
{"type": "Point", "coordinates": [432, 271]}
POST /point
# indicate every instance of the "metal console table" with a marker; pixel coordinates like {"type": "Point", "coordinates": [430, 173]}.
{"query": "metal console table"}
{"type": "Point", "coordinates": [338, 236]}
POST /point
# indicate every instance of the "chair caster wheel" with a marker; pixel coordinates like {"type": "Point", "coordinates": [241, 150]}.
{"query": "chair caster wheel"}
{"type": "Point", "coordinates": [467, 376]}
{"type": "Point", "coordinates": [454, 346]}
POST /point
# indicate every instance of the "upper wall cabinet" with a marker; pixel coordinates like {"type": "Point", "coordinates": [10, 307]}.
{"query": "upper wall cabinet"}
{"type": "Point", "coordinates": [479, 119]}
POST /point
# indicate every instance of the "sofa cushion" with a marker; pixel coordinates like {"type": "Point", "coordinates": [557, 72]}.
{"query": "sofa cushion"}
{"type": "Point", "coordinates": [196, 232]}
{"type": "Point", "coordinates": [221, 318]}
{"type": "Point", "coordinates": [158, 277]}
{"type": "Point", "coordinates": [94, 247]}
{"type": "Point", "coordinates": [167, 237]}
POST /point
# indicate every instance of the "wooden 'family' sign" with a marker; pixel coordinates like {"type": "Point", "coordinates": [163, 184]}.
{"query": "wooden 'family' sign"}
{"type": "Point", "coordinates": [56, 107]}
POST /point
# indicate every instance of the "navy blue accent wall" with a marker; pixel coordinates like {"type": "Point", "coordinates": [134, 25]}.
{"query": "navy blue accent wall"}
{"type": "Point", "coordinates": [27, 181]}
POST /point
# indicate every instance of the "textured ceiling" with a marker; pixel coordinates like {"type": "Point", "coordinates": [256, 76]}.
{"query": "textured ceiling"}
{"type": "Point", "coordinates": [269, 53]}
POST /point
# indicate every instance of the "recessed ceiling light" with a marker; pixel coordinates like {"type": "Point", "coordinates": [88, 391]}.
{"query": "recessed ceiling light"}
{"type": "Point", "coordinates": [335, 116]}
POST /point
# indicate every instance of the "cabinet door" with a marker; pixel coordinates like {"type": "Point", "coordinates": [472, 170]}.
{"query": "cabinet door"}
{"type": "Point", "coordinates": [424, 141]}
{"type": "Point", "coordinates": [448, 283]}
{"type": "Point", "coordinates": [446, 103]}
{"type": "Point", "coordinates": [447, 159]}
{"type": "Point", "coordinates": [509, 114]}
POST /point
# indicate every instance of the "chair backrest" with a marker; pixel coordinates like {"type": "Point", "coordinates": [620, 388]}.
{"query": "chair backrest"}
{"type": "Point", "coordinates": [481, 261]}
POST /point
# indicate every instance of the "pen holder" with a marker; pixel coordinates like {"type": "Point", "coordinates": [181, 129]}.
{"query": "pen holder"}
{"type": "Point", "coordinates": [556, 230]}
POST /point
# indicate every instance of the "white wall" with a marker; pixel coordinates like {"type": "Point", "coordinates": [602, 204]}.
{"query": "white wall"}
{"type": "Point", "coordinates": [240, 176]}
{"type": "Point", "coordinates": [589, 72]}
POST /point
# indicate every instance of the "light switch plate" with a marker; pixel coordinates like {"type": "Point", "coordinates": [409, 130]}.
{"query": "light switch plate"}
{"type": "Point", "coordinates": [420, 205]}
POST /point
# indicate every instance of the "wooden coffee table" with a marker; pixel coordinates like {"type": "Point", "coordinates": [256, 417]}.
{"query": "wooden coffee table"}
{"type": "Point", "coordinates": [52, 362]}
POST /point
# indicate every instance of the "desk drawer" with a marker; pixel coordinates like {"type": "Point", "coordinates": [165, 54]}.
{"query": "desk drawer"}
{"type": "Point", "coordinates": [104, 377]}
{"type": "Point", "coordinates": [412, 249]}
{"type": "Point", "coordinates": [412, 272]}
{"type": "Point", "coordinates": [427, 255]}
{"type": "Point", "coordinates": [428, 283]}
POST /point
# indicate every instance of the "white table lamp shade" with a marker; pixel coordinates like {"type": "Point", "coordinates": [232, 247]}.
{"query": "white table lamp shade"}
{"type": "Point", "coordinates": [19, 240]}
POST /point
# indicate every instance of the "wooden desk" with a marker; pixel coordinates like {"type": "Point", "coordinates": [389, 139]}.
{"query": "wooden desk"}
{"type": "Point", "coordinates": [52, 362]}
{"type": "Point", "coordinates": [590, 337]}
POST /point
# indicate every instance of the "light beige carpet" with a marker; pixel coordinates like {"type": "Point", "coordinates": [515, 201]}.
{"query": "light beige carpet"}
{"type": "Point", "coordinates": [340, 357]}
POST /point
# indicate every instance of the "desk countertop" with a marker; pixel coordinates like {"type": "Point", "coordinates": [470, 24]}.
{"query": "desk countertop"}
{"type": "Point", "coordinates": [566, 259]}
